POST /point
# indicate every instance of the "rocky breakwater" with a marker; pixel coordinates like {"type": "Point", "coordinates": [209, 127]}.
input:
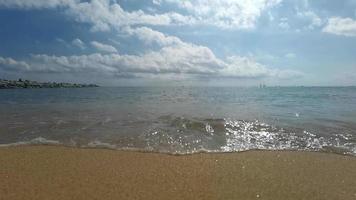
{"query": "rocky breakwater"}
{"type": "Point", "coordinates": [14, 84]}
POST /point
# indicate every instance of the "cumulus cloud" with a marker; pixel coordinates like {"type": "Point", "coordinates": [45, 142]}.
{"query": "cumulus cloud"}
{"type": "Point", "coordinates": [37, 4]}
{"type": "Point", "coordinates": [103, 47]}
{"type": "Point", "coordinates": [107, 14]}
{"type": "Point", "coordinates": [102, 14]}
{"type": "Point", "coordinates": [244, 67]}
{"type": "Point", "coordinates": [307, 16]}
{"type": "Point", "coordinates": [341, 26]}
{"type": "Point", "coordinates": [313, 19]}
{"type": "Point", "coordinates": [180, 60]}
{"type": "Point", "coordinates": [238, 14]}
{"type": "Point", "coordinates": [283, 23]}
{"type": "Point", "coordinates": [10, 64]}
{"type": "Point", "coordinates": [150, 36]}
{"type": "Point", "coordinates": [184, 59]}
{"type": "Point", "coordinates": [78, 43]}
{"type": "Point", "coordinates": [174, 56]}
{"type": "Point", "coordinates": [225, 13]}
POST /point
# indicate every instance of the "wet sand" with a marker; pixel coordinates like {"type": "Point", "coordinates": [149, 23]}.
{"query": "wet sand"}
{"type": "Point", "coordinates": [50, 172]}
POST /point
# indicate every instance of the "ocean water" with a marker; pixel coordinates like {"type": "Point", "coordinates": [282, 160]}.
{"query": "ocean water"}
{"type": "Point", "coordinates": [182, 120]}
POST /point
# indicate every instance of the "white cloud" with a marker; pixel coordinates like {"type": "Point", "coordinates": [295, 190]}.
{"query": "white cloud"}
{"type": "Point", "coordinates": [176, 52]}
{"type": "Point", "coordinates": [185, 59]}
{"type": "Point", "coordinates": [106, 14]}
{"type": "Point", "coordinates": [244, 67]}
{"type": "Point", "coordinates": [226, 13]}
{"type": "Point", "coordinates": [284, 23]}
{"type": "Point", "coordinates": [312, 18]}
{"type": "Point", "coordinates": [306, 16]}
{"type": "Point", "coordinates": [103, 47]}
{"type": "Point", "coordinates": [150, 36]}
{"type": "Point", "coordinates": [174, 56]}
{"type": "Point", "coordinates": [37, 4]}
{"type": "Point", "coordinates": [78, 43]}
{"type": "Point", "coordinates": [157, 2]}
{"type": "Point", "coordinates": [102, 14]}
{"type": "Point", "coordinates": [13, 65]}
{"type": "Point", "coordinates": [341, 26]}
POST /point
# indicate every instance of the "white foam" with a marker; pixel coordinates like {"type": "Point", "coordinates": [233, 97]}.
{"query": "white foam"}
{"type": "Point", "coordinates": [209, 129]}
{"type": "Point", "coordinates": [239, 136]}
{"type": "Point", "coordinates": [35, 141]}
{"type": "Point", "coordinates": [99, 144]}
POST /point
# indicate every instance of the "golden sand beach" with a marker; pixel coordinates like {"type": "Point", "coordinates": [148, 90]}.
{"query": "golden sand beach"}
{"type": "Point", "coordinates": [53, 172]}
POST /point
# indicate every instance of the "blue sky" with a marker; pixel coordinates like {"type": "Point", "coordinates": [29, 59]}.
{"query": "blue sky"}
{"type": "Point", "coordinates": [170, 42]}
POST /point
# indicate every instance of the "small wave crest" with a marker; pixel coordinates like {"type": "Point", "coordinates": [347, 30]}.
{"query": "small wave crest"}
{"type": "Point", "coordinates": [244, 135]}
{"type": "Point", "coordinates": [35, 141]}
{"type": "Point", "coordinates": [187, 136]}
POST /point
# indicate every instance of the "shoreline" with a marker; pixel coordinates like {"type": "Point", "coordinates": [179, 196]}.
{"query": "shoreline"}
{"type": "Point", "coordinates": [58, 172]}
{"type": "Point", "coordinates": [54, 143]}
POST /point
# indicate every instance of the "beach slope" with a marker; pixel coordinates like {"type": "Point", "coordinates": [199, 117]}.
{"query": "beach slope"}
{"type": "Point", "coordinates": [52, 172]}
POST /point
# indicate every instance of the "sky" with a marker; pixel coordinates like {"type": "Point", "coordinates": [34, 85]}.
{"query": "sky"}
{"type": "Point", "coordinates": [180, 42]}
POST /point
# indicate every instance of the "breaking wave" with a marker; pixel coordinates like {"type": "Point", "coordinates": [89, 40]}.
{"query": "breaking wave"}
{"type": "Point", "coordinates": [179, 135]}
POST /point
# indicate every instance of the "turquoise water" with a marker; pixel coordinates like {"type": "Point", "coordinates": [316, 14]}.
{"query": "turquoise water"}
{"type": "Point", "coordinates": [182, 119]}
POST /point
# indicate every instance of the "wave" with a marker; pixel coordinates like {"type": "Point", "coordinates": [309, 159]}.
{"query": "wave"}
{"type": "Point", "coordinates": [35, 141]}
{"type": "Point", "coordinates": [181, 136]}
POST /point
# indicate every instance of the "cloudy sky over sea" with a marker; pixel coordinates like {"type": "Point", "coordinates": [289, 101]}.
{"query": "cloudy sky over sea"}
{"type": "Point", "coordinates": [198, 42]}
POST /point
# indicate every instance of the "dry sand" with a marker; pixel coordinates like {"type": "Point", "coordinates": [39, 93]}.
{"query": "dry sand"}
{"type": "Point", "coordinates": [44, 172]}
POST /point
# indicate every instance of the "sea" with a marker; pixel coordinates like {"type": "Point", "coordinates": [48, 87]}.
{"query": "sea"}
{"type": "Point", "coordinates": [182, 120]}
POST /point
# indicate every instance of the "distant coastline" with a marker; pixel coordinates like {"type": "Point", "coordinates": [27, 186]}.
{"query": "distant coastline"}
{"type": "Point", "coordinates": [18, 84]}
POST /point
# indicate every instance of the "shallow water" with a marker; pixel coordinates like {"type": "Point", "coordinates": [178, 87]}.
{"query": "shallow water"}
{"type": "Point", "coordinates": [182, 119]}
